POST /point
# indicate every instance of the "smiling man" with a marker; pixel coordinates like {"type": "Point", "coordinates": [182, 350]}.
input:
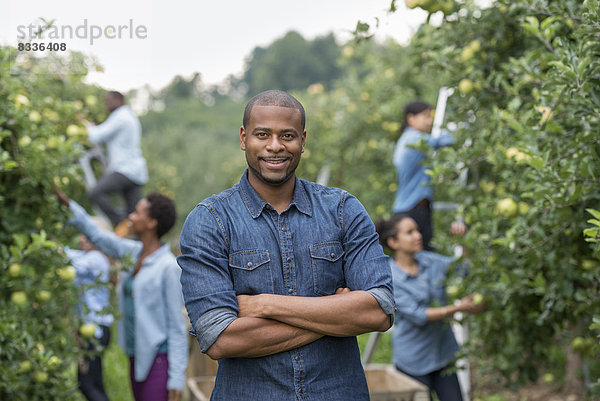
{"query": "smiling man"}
{"type": "Point", "coordinates": [281, 274]}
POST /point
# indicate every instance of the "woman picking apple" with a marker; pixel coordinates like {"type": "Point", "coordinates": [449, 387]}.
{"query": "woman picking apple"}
{"type": "Point", "coordinates": [152, 330]}
{"type": "Point", "coordinates": [423, 343]}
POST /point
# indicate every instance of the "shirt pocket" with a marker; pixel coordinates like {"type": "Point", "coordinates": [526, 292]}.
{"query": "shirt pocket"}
{"type": "Point", "coordinates": [251, 272]}
{"type": "Point", "coordinates": [327, 266]}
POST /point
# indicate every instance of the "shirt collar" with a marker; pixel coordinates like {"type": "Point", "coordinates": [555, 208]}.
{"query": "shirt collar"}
{"type": "Point", "coordinates": [157, 254]}
{"type": "Point", "coordinates": [402, 274]}
{"type": "Point", "coordinates": [256, 204]}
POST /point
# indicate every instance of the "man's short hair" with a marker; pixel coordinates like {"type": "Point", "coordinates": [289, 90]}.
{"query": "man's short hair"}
{"type": "Point", "coordinates": [162, 209]}
{"type": "Point", "coordinates": [117, 95]}
{"type": "Point", "coordinates": [274, 98]}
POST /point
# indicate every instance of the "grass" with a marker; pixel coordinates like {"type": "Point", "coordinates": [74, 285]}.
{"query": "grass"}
{"type": "Point", "coordinates": [383, 351]}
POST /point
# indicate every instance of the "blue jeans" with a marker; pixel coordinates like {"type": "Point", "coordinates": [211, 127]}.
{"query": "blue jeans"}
{"type": "Point", "coordinates": [444, 384]}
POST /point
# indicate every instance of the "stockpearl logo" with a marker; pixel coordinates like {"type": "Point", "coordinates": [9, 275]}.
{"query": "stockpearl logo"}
{"type": "Point", "coordinates": [90, 32]}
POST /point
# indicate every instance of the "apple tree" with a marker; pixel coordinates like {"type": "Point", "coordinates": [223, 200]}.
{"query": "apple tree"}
{"type": "Point", "coordinates": [40, 142]}
{"type": "Point", "coordinates": [527, 107]}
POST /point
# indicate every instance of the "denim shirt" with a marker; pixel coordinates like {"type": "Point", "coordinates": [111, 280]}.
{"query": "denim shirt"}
{"type": "Point", "coordinates": [122, 134]}
{"type": "Point", "coordinates": [413, 182]}
{"type": "Point", "coordinates": [236, 243]}
{"type": "Point", "coordinates": [158, 303]}
{"type": "Point", "coordinates": [419, 346]}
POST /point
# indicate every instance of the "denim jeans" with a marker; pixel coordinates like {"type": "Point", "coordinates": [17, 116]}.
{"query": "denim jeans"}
{"type": "Point", "coordinates": [115, 183]}
{"type": "Point", "coordinates": [445, 385]}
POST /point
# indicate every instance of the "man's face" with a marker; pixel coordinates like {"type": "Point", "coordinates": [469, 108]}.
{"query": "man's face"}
{"type": "Point", "coordinates": [111, 102]}
{"type": "Point", "coordinates": [273, 141]}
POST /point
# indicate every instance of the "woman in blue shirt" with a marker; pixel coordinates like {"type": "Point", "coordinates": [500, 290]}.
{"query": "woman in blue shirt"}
{"type": "Point", "coordinates": [415, 194]}
{"type": "Point", "coordinates": [153, 330]}
{"type": "Point", "coordinates": [423, 343]}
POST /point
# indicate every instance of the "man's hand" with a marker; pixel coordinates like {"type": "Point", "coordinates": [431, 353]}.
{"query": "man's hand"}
{"type": "Point", "coordinates": [62, 198]}
{"type": "Point", "coordinates": [174, 395]}
{"type": "Point", "coordinates": [254, 305]}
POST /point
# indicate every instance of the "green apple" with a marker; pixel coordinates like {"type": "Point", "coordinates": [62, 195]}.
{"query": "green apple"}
{"type": "Point", "coordinates": [91, 100]}
{"type": "Point", "coordinates": [73, 130]}
{"type": "Point", "coordinates": [452, 291]}
{"type": "Point", "coordinates": [475, 45]}
{"type": "Point", "coordinates": [466, 86]}
{"type": "Point", "coordinates": [21, 100]}
{"type": "Point", "coordinates": [523, 208]}
{"type": "Point", "coordinates": [522, 156]}
{"type": "Point", "coordinates": [87, 330]}
{"type": "Point", "coordinates": [25, 366]}
{"type": "Point", "coordinates": [466, 54]}
{"type": "Point", "coordinates": [14, 270]}
{"type": "Point", "coordinates": [548, 378]}
{"type": "Point", "coordinates": [35, 116]}
{"type": "Point", "coordinates": [477, 299]}
{"type": "Point", "coordinates": [578, 344]}
{"type": "Point", "coordinates": [25, 140]}
{"type": "Point", "coordinates": [589, 264]}
{"type": "Point", "coordinates": [66, 273]}
{"type": "Point", "coordinates": [507, 207]}
{"type": "Point", "coordinates": [44, 295]}
{"type": "Point", "coordinates": [18, 298]}
{"type": "Point", "coordinates": [511, 152]}
{"type": "Point", "coordinates": [54, 362]}
{"type": "Point", "coordinates": [40, 377]}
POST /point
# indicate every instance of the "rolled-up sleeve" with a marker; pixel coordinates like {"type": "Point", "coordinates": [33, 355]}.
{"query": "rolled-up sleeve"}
{"type": "Point", "coordinates": [365, 265]}
{"type": "Point", "coordinates": [208, 291]}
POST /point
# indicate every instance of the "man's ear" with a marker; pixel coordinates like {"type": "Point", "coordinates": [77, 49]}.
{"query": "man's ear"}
{"type": "Point", "coordinates": [242, 138]}
{"type": "Point", "coordinates": [303, 140]}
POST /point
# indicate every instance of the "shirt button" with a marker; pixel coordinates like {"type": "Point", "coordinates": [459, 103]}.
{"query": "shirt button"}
{"type": "Point", "coordinates": [290, 291]}
{"type": "Point", "coordinates": [249, 264]}
{"type": "Point", "coordinates": [288, 259]}
{"type": "Point", "coordinates": [283, 229]}
{"type": "Point", "coordinates": [332, 255]}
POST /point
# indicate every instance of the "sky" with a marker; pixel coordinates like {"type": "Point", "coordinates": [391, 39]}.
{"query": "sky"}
{"type": "Point", "coordinates": [149, 42]}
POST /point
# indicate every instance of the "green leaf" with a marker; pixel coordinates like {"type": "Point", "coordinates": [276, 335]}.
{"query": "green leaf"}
{"type": "Point", "coordinates": [582, 64]}
{"type": "Point", "coordinates": [536, 162]}
{"type": "Point", "coordinates": [594, 222]}
{"type": "Point", "coordinates": [594, 213]}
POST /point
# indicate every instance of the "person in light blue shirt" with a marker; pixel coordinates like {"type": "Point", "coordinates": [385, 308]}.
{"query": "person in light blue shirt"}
{"type": "Point", "coordinates": [152, 330]}
{"type": "Point", "coordinates": [92, 270]}
{"type": "Point", "coordinates": [279, 274]}
{"type": "Point", "coordinates": [423, 343]}
{"type": "Point", "coordinates": [126, 170]}
{"type": "Point", "coordinates": [415, 194]}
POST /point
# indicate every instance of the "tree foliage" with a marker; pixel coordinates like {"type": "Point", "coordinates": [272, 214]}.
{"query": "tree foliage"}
{"type": "Point", "coordinates": [40, 141]}
{"type": "Point", "coordinates": [526, 77]}
{"type": "Point", "coordinates": [292, 62]}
